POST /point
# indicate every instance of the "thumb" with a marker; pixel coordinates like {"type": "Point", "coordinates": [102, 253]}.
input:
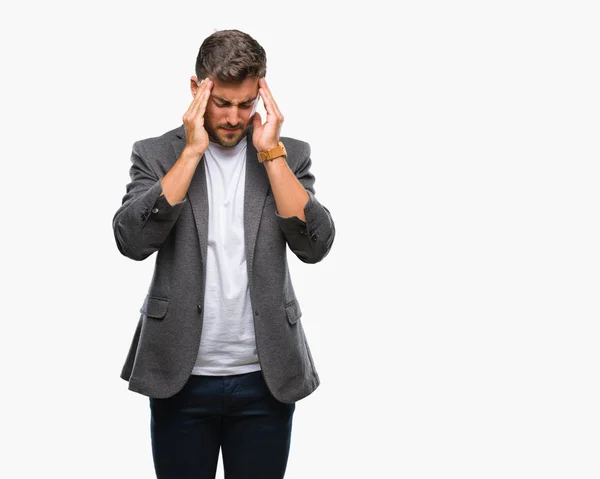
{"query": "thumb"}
{"type": "Point", "coordinates": [256, 121]}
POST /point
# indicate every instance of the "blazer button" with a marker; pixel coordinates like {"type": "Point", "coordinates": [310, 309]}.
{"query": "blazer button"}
{"type": "Point", "coordinates": [199, 308]}
{"type": "Point", "coordinates": [256, 312]}
{"type": "Point", "coordinates": [313, 237]}
{"type": "Point", "coordinates": [154, 210]}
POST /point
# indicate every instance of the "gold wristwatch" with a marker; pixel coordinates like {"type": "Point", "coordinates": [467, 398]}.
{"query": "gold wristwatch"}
{"type": "Point", "coordinates": [272, 153]}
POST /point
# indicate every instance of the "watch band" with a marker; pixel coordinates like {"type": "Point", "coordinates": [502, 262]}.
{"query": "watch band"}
{"type": "Point", "coordinates": [272, 153]}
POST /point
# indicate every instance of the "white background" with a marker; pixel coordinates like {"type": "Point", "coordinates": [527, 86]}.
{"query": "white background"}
{"type": "Point", "coordinates": [454, 323]}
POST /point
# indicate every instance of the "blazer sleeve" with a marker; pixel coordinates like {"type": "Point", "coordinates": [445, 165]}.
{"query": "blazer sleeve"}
{"type": "Point", "coordinates": [309, 240]}
{"type": "Point", "coordinates": [145, 217]}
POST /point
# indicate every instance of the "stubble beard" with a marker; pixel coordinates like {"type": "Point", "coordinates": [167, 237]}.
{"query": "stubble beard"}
{"type": "Point", "coordinates": [225, 138]}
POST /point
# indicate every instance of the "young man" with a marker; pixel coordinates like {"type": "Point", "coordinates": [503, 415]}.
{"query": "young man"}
{"type": "Point", "coordinates": [219, 348]}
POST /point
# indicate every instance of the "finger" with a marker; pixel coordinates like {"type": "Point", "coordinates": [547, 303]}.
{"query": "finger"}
{"type": "Point", "coordinates": [198, 97]}
{"type": "Point", "coordinates": [190, 112]}
{"type": "Point", "coordinates": [267, 92]}
{"type": "Point", "coordinates": [201, 87]}
{"type": "Point", "coordinates": [204, 100]}
{"type": "Point", "coordinates": [270, 103]}
{"type": "Point", "coordinates": [271, 107]}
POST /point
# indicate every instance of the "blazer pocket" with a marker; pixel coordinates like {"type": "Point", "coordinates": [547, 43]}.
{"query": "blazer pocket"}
{"type": "Point", "coordinates": [155, 307]}
{"type": "Point", "coordinates": [293, 312]}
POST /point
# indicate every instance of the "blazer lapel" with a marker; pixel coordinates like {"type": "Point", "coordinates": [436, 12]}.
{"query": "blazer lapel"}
{"type": "Point", "coordinates": [197, 194]}
{"type": "Point", "coordinates": [257, 184]}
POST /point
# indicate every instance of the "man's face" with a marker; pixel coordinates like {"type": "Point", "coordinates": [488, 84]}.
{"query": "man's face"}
{"type": "Point", "coordinates": [228, 110]}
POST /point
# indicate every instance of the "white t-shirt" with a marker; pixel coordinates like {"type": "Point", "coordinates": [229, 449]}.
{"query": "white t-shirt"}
{"type": "Point", "coordinates": [228, 344]}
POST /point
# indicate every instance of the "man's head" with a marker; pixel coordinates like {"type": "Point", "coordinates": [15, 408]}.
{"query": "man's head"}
{"type": "Point", "coordinates": [234, 61]}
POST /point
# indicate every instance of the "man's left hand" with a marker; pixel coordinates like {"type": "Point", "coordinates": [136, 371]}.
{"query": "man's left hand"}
{"type": "Point", "coordinates": [266, 136]}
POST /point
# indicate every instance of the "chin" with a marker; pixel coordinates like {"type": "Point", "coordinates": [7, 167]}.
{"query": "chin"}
{"type": "Point", "coordinates": [230, 139]}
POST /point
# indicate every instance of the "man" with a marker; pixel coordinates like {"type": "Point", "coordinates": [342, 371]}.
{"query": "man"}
{"type": "Point", "coordinates": [219, 347]}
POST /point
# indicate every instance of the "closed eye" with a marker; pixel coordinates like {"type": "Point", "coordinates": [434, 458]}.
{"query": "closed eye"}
{"type": "Point", "coordinates": [227, 105]}
{"type": "Point", "coordinates": [224, 104]}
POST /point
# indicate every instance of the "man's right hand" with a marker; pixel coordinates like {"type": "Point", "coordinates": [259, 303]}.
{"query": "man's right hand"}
{"type": "Point", "coordinates": [177, 180]}
{"type": "Point", "coordinates": [196, 137]}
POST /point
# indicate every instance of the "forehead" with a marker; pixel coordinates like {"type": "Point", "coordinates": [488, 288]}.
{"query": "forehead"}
{"type": "Point", "coordinates": [236, 92]}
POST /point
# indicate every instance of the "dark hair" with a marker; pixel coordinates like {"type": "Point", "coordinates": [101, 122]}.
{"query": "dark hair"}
{"type": "Point", "coordinates": [231, 56]}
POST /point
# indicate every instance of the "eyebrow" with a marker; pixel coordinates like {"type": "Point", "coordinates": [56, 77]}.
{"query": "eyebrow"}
{"type": "Point", "coordinates": [223, 100]}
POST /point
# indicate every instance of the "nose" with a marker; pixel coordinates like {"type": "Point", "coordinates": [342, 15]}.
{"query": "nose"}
{"type": "Point", "coordinates": [233, 115]}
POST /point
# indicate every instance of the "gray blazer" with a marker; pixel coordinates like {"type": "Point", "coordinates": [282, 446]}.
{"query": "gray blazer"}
{"type": "Point", "coordinates": [167, 337]}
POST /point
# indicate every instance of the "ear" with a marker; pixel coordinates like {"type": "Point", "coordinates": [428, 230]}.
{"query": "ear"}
{"type": "Point", "coordinates": [194, 85]}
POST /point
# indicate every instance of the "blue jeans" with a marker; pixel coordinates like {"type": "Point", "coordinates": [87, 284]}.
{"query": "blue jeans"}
{"type": "Point", "coordinates": [236, 413]}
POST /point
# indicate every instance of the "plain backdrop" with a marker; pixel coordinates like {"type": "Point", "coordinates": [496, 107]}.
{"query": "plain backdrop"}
{"type": "Point", "coordinates": [455, 323]}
